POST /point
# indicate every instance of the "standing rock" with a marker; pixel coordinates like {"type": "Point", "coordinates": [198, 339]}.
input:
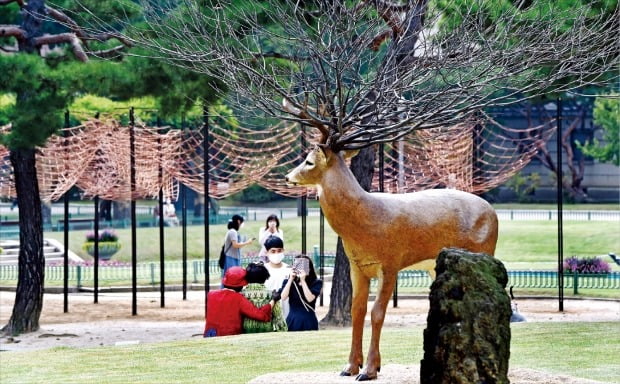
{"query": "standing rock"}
{"type": "Point", "coordinates": [467, 338]}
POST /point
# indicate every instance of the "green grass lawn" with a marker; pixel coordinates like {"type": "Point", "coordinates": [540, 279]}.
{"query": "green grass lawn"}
{"type": "Point", "coordinates": [521, 244]}
{"type": "Point", "coordinates": [585, 350]}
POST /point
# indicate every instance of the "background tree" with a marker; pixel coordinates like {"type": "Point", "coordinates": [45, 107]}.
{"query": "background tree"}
{"type": "Point", "coordinates": [607, 117]}
{"type": "Point", "coordinates": [370, 72]}
{"type": "Point", "coordinates": [41, 92]}
{"type": "Point", "coordinates": [44, 65]}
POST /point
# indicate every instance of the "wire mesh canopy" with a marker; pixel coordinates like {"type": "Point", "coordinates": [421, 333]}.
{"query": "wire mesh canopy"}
{"type": "Point", "coordinates": [95, 156]}
{"type": "Point", "coordinates": [472, 157]}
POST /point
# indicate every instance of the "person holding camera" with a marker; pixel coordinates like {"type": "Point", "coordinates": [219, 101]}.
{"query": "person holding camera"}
{"type": "Point", "coordinates": [302, 289]}
{"type": "Point", "coordinates": [227, 307]}
{"type": "Point", "coordinates": [272, 228]}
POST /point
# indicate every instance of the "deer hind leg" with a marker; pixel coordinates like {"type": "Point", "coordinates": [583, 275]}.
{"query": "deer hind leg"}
{"type": "Point", "coordinates": [360, 288]}
{"type": "Point", "coordinates": [377, 316]}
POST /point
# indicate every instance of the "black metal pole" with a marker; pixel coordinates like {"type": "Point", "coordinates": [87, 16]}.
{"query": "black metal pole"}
{"type": "Point", "coordinates": [96, 263]}
{"type": "Point", "coordinates": [382, 189]}
{"type": "Point", "coordinates": [303, 200]}
{"type": "Point", "coordinates": [184, 236]}
{"type": "Point", "coordinates": [66, 233]}
{"type": "Point", "coordinates": [477, 149]}
{"type": "Point", "coordinates": [160, 221]}
{"type": "Point", "coordinates": [322, 249]}
{"type": "Point", "coordinates": [205, 162]}
{"type": "Point", "coordinates": [134, 258]}
{"type": "Point", "coordinates": [304, 216]}
{"type": "Point", "coordinates": [560, 201]}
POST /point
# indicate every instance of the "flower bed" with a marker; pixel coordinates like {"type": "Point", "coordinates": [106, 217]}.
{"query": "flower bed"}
{"type": "Point", "coordinates": [108, 244]}
{"type": "Point", "coordinates": [586, 265]}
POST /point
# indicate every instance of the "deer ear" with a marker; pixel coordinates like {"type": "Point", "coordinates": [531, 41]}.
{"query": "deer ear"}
{"type": "Point", "coordinates": [347, 154]}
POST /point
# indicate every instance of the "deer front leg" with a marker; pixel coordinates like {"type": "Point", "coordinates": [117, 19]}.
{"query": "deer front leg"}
{"type": "Point", "coordinates": [360, 287]}
{"type": "Point", "coordinates": [377, 316]}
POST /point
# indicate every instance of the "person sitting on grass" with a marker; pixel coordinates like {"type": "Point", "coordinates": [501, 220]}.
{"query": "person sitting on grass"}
{"type": "Point", "coordinates": [226, 307]}
{"type": "Point", "coordinates": [259, 295]}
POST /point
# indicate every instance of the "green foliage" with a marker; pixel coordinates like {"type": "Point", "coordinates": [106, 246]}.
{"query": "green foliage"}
{"type": "Point", "coordinates": [255, 194]}
{"type": "Point", "coordinates": [7, 106]}
{"type": "Point", "coordinates": [40, 99]}
{"type": "Point", "coordinates": [88, 106]}
{"type": "Point", "coordinates": [524, 185]}
{"type": "Point", "coordinates": [557, 17]}
{"type": "Point", "coordinates": [106, 11]}
{"type": "Point", "coordinates": [607, 116]}
{"type": "Point", "coordinates": [43, 88]}
{"type": "Point", "coordinates": [9, 15]}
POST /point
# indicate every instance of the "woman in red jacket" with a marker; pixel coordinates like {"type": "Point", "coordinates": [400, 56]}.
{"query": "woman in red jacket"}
{"type": "Point", "coordinates": [227, 307]}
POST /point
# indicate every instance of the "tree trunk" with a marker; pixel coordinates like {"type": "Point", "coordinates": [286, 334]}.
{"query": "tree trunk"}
{"type": "Point", "coordinates": [573, 181]}
{"type": "Point", "coordinates": [340, 297]}
{"type": "Point", "coordinates": [121, 210]}
{"type": "Point", "coordinates": [29, 294]}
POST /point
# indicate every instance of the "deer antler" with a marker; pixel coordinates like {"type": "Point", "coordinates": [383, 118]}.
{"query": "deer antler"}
{"type": "Point", "coordinates": [307, 118]}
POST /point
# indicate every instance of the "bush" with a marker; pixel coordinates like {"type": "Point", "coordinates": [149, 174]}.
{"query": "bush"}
{"type": "Point", "coordinates": [586, 265]}
{"type": "Point", "coordinates": [255, 194]}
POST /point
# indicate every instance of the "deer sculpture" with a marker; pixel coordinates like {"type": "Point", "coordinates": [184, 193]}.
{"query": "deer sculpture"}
{"type": "Point", "coordinates": [383, 233]}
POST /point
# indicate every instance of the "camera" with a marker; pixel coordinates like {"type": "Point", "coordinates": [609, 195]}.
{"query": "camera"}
{"type": "Point", "coordinates": [301, 264]}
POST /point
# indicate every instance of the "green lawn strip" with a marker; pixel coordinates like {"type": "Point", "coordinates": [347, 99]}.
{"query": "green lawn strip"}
{"type": "Point", "coordinates": [585, 350]}
{"type": "Point", "coordinates": [519, 241]}
{"type": "Point", "coordinates": [522, 245]}
{"type": "Point", "coordinates": [536, 241]}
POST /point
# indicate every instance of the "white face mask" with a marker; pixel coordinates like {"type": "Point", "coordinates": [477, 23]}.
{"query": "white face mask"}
{"type": "Point", "coordinates": [275, 258]}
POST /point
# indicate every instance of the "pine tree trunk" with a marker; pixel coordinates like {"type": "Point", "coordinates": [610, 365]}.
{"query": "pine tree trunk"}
{"type": "Point", "coordinates": [29, 294]}
{"type": "Point", "coordinates": [362, 166]}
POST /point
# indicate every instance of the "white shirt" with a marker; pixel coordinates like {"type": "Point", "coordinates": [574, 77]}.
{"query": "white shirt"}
{"type": "Point", "coordinates": [277, 276]}
{"type": "Point", "coordinates": [275, 280]}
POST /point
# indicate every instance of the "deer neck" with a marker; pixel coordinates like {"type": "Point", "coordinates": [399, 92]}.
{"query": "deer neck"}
{"type": "Point", "coordinates": [340, 195]}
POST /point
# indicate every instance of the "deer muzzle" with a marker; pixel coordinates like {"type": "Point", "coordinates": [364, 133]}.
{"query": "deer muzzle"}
{"type": "Point", "coordinates": [289, 182]}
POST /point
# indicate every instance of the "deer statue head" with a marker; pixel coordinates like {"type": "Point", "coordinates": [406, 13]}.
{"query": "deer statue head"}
{"type": "Point", "coordinates": [310, 171]}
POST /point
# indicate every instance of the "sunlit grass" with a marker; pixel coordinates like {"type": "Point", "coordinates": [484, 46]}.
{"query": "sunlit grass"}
{"type": "Point", "coordinates": [584, 350]}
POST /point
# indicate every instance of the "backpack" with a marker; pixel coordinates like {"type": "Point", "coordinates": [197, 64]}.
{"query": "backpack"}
{"type": "Point", "coordinates": [222, 260]}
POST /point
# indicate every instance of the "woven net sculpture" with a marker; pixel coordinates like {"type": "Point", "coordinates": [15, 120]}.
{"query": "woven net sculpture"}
{"type": "Point", "coordinates": [475, 156]}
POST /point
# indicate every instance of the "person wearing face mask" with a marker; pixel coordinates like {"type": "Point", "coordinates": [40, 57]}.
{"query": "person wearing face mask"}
{"type": "Point", "coordinates": [272, 228]}
{"type": "Point", "coordinates": [233, 243]}
{"type": "Point", "coordinates": [278, 270]}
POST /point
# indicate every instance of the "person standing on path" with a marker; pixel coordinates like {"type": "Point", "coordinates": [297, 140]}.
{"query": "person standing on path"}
{"type": "Point", "coordinates": [233, 243]}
